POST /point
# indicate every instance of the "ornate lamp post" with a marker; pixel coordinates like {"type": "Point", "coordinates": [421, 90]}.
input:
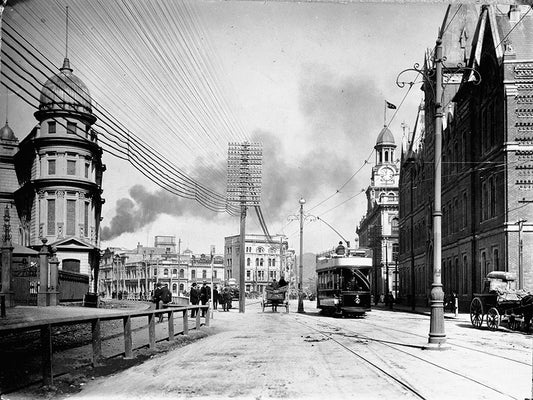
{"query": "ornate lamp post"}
{"type": "Point", "coordinates": [437, 336]}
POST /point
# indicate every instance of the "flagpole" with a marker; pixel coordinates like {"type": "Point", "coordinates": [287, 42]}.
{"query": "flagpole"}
{"type": "Point", "coordinates": [385, 114]}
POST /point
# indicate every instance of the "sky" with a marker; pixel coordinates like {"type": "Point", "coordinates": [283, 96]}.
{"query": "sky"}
{"type": "Point", "coordinates": [307, 80]}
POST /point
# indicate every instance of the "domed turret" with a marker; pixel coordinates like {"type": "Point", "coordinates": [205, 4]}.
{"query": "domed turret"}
{"type": "Point", "coordinates": [65, 92]}
{"type": "Point", "coordinates": [6, 133]}
{"type": "Point", "coordinates": [385, 137]}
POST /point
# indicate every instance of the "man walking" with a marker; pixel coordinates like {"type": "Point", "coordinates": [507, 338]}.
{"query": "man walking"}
{"type": "Point", "coordinates": [205, 295]}
{"type": "Point", "coordinates": [193, 299]}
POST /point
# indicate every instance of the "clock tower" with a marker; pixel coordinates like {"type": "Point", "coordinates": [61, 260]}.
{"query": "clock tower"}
{"type": "Point", "coordinates": [378, 229]}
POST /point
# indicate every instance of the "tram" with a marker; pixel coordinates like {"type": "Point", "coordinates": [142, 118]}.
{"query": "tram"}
{"type": "Point", "coordinates": [343, 281]}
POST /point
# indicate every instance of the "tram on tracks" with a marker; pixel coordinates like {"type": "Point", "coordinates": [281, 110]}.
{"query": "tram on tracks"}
{"type": "Point", "coordinates": [343, 281]}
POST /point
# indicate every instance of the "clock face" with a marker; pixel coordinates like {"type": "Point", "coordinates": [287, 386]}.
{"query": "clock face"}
{"type": "Point", "coordinates": [387, 174]}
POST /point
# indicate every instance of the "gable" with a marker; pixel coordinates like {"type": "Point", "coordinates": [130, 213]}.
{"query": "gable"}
{"type": "Point", "coordinates": [72, 243]}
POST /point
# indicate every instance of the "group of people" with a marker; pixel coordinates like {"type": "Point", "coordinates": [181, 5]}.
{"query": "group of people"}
{"type": "Point", "coordinates": [275, 285]}
{"type": "Point", "coordinates": [203, 295]}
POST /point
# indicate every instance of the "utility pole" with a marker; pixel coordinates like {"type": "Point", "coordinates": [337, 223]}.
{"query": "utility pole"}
{"type": "Point", "coordinates": [520, 224]}
{"type": "Point", "coordinates": [301, 267]}
{"type": "Point", "coordinates": [244, 189]}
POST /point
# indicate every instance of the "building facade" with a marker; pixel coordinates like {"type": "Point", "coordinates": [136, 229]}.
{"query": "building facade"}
{"type": "Point", "coordinates": [378, 229]}
{"type": "Point", "coordinates": [264, 259]}
{"type": "Point", "coordinates": [58, 167]}
{"type": "Point", "coordinates": [133, 274]}
{"type": "Point", "coordinates": [486, 159]}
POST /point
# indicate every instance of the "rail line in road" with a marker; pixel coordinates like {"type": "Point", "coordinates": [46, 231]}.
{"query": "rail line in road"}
{"type": "Point", "coordinates": [384, 328]}
{"type": "Point", "coordinates": [345, 338]}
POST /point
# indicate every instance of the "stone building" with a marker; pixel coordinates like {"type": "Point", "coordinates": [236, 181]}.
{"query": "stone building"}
{"type": "Point", "coordinates": [378, 229]}
{"type": "Point", "coordinates": [486, 158]}
{"type": "Point", "coordinates": [263, 260]}
{"type": "Point", "coordinates": [58, 168]}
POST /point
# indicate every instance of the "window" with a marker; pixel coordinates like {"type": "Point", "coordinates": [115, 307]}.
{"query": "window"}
{"type": "Point", "coordinates": [248, 274]}
{"type": "Point", "coordinates": [193, 274]}
{"type": "Point", "coordinates": [155, 271]}
{"type": "Point", "coordinates": [182, 273]}
{"type": "Point", "coordinates": [248, 262]}
{"type": "Point", "coordinates": [174, 287]}
{"type": "Point", "coordinates": [71, 167]}
{"type": "Point", "coordinates": [86, 219]}
{"type": "Point", "coordinates": [71, 217]}
{"type": "Point", "coordinates": [51, 167]}
{"type": "Point", "coordinates": [71, 265]}
{"type": "Point", "coordinates": [174, 272]}
{"type": "Point", "coordinates": [52, 127]}
{"type": "Point", "coordinates": [204, 274]}
{"type": "Point", "coordinates": [214, 274]}
{"type": "Point", "coordinates": [87, 170]}
{"type": "Point", "coordinates": [71, 128]}
{"type": "Point", "coordinates": [165, 272]}
{"type": "Point", "coordinates": [51, 217]}
{"type": "Point", "coordinates": [260, 250]}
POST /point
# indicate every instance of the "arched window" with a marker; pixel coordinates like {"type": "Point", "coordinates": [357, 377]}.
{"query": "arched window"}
{"type": "Point", "coordinates": [248, 261]}
{"type": "Point", "coordinates": [155, 271]}
{"type": "Point", "coordinates": [204, 274]}
{"type": "Point", "coordinates": [174, 287]}
{"type": "Point", "coordinates": [182, 273]}
{"type": "Point", "coordinates": [174, 272]}
{"type": "Point", "coordinates": [181, 287]}
{"type": "Point", "coordinates": [257, 262]}
{"type": "Point", "coordinates": [260, 250]}
{"type": "Point", "coordinates": [165, 272]}
{"type": "Point", "coordinates": [261, 261]}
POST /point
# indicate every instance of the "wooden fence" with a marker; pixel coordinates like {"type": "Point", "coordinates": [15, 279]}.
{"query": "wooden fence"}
{"type": "Point", "coordinates": [45, 328]}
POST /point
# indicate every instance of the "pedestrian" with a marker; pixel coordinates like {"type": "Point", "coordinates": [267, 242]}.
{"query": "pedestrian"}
{"type": "Point", "coordinates": [205, 295]}
{"type": "Point", "coordinates": [226, 295]}
{"type": "Point", "coordinates": [166, 297]}
{"type": "Point", "coordinates": [282, 282]}
{"type": "Point", "coordinates": [215, 297]}
{"type": "Point", "coordinates": [193, 298]}
{"type": "Point", "coordinates": [389, 300]}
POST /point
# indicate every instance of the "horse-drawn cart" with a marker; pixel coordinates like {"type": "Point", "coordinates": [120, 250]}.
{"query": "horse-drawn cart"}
{"type": "Point", "coordinates": [500, 302]}
{"type": "Point", "coordinates": [275, 298]}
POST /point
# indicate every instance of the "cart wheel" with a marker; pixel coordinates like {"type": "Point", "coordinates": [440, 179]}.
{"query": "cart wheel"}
{"type": "Point", "coordinates": [476, 312]}
{"type": "Point", "coordinates": [493, 319]}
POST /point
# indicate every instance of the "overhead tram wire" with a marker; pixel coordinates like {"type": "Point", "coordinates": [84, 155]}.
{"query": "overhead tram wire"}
{"type": "Point", "coordinates": [196, 187]}
{"type": "Point", "coordinates": [141, 96]}
{"type": "Point", "coordinates": [200, 32]}
{"type": "Point", "coordinates": [54, 71]}
{"type": "Point", "coordinates": [146, 172]}
{"type": "Point", "coordinates": [40, 85]}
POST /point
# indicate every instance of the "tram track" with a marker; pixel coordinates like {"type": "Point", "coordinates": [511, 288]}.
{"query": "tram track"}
{"type": "Point", "coordinates": [351, 341]}
{"type": "Point", "coordinates": [449, 341]}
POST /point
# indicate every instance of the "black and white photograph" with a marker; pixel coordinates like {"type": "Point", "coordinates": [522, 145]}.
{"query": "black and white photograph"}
{"type": "Point", "coordinates": [266, 199]}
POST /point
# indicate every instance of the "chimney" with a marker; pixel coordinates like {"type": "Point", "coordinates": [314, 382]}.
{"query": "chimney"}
{"type": "Point", "coordinates": [514, 13]}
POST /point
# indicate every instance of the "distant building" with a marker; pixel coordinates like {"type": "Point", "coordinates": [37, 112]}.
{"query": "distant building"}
{"type": "Point", "coordinates": [378, 229]}
{"type": "Point", "coordinates": [487, 158]}
{"type": "Point", "coordinates": [263, 260]}
{"type": "Point", "coordinates": [133, 274]}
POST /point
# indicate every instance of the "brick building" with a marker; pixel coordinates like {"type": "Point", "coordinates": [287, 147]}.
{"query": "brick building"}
{"type": "Point", "coordinates": [487, 158]}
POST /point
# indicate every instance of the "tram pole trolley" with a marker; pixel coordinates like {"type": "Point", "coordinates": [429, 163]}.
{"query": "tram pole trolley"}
{"type": "Point", "coordinates": [500, 302]}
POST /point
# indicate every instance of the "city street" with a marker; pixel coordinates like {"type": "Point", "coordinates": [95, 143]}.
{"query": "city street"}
{"type": "Point", "coordinates": [279, 355]}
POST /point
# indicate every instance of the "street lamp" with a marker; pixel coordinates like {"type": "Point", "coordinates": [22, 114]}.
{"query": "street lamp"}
{"type": "Point", "coordinates": [301, 267]}
{"type": "Point", "coordinates": [437, 336]}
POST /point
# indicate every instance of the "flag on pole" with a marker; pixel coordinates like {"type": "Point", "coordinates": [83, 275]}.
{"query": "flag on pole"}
{"type": "Point", "coordinates": [390, 105]}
